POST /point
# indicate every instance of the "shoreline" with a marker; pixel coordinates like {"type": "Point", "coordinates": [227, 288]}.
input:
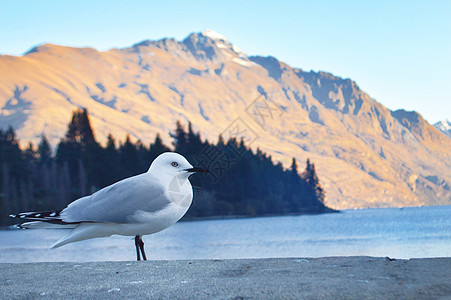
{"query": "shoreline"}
{"type": "Point", "coordinates": [228, 217]}
{"type": "Point", "coordinates": [312, 278]}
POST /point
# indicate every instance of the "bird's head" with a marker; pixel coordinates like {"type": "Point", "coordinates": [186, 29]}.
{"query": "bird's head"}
{"type": "Point", "coordinates": [173, 164]}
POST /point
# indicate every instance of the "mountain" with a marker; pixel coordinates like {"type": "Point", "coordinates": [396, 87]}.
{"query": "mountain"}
{"type": "Point", "coordinates": [365, 154]}
{"type": "Point", "coordinates": [444, 126]}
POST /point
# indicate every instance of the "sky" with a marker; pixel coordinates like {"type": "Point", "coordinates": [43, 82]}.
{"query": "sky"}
{"type": "Point", "coordinates": [399, 52]}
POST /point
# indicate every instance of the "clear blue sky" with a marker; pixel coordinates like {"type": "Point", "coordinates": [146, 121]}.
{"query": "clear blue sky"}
{"type": "Point", "coordinates": [397, 51]}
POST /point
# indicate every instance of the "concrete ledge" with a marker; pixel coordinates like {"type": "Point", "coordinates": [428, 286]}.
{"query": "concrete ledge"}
{"type": "Point", "coordinates": [308, 278]}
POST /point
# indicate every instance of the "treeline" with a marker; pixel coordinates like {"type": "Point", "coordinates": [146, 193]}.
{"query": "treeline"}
{"type": "Point", "coordinates": [241, 181]}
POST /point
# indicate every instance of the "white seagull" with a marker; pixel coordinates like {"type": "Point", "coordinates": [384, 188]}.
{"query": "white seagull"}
{"type": "Point", "coordinates": [136, 206]}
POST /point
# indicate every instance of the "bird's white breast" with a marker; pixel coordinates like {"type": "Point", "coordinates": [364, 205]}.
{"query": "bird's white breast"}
{"type": "Point", "coordinates": [148, 223]}
{"type": "Point", "coordinates": [181, 195]}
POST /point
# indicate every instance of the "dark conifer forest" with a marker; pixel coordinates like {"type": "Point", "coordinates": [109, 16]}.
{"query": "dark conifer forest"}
{"type": "Point", "coordinates": [241, 182]}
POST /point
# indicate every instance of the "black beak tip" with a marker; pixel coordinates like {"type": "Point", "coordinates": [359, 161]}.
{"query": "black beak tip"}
{"type": "Point", "coordinates": [198, 170]}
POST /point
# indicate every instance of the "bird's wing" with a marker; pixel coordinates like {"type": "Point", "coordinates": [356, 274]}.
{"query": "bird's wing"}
{"type": "Point", "coordinates": [119, 201]}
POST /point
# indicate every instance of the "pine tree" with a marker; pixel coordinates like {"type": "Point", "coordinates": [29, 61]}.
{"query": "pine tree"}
{"type": "Point", "coordinates": [10, 152]}
{"type": "Point", "coordinates": [293, 195]}
{"type": "Point", "coordinates": [157, 148]}
{"type": "Point", "coordinates": [130, 161]}
{"type": "Point", "coordinates": [79, 129]}
{"type": "Point", "coordinates": [294, 168]}
{"type": "Point", "coordinates": [69, 148]}
{"type": "Point", "coordinates": [110, 143]}
{"type": "Point", "coordinates": [80, 147]}
{"type": "Point", "coordinates": [44, 153]}
{"type": "Point", "coordinates": [14, 170]}
{"type": "Point", "coordinates": [194, 141]}
{"type": "Point", "coordinates": [111, 163]}
{"type": "Point", "coordinates": [180, 139]}
{"type": "Point", "coordinates": [143, 153]}
{"type": "Point", "coordinates": [314, 190]}
{"type": "Point", "coordinates": [220, 144]}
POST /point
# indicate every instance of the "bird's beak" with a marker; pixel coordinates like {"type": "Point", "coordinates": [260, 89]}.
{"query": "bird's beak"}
{"type": "Point", "coordinates": [197, 170]}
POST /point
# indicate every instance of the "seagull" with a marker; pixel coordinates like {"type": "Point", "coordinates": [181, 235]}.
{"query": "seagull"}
{"type": "Point", "coordinates": [140, 205]}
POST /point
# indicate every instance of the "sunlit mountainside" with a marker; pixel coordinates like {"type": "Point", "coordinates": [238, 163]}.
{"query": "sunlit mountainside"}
{"type": "Point", "coordinates": [365, 154]}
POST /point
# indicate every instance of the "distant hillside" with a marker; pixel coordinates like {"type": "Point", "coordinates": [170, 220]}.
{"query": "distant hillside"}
{"type": "Point", "coordinates": [365, 154]}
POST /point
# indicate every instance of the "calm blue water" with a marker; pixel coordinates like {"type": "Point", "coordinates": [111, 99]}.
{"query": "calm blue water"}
{"type": "Point", "coordinates": [393, 232]}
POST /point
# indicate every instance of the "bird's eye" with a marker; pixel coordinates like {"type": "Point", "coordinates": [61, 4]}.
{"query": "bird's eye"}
{"type": "Point", "coordinates": [174, 164]}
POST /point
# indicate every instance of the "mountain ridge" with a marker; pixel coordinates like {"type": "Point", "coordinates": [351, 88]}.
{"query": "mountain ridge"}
{"type": "Point", "coordinates": [366, 155]}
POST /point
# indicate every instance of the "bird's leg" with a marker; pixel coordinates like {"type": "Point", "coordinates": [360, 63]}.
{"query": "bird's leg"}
{"type": "Point", "coordinates": [137, 245]}
{"type": "Point", "coordinates": [141, 246]}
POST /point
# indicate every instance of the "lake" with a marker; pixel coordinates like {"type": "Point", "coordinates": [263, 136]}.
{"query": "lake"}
{"type": "Point", "coordinates": [395, 232]}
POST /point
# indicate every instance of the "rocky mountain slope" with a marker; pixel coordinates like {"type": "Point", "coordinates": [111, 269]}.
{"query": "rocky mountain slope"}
{"type": "Point", "coordinates": [365, 154]}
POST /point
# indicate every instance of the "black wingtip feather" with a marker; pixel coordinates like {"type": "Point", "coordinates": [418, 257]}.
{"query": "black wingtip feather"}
{"type": "Point", "coordinates": [39, 216]}
{"type": "Point", "coordinates": [53, 217]}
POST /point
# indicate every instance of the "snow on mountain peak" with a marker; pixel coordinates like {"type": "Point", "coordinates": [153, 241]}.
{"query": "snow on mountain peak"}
{"type": "Point", "coordinates": [444, 126]}
{"type": "Point", "coordinates": [213, 35]}
{"type": "Point", "coordinates": [222, 43]}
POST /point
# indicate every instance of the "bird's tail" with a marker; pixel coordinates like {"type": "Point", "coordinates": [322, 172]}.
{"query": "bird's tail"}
{"type": "Point", "coordinates": [52, 220]}
{"type": "Point", "coordinates": [45, 216]}
{"type": "Point", "coordinates": [44, 219]}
